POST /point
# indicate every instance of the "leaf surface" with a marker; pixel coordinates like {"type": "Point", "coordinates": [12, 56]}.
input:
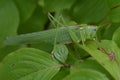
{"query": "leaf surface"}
{"type": "Point", "coordinates": [87, 11]}
{"type": "Point", "coordinates": [9, 19]}
{"type": "Point", "coordinates": [29, 64]}
{"type": "Point", "coordinates": [86, 74]}
{"type": "Point", "coordinates": [26, 8]}
{"type": "Point", "coordinates": [107, 54]}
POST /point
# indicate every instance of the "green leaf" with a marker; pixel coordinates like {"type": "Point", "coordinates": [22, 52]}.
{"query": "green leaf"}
{"type": "Point", "coordinates": [116, 36]}
{"type": "Point", "coordinates": [114, 3]}
{"type": "Point", "coordinates": [94, 12]}
{"type": "Point", "coordinates": [56, 5]}
{"type": "Point", "coordinates": [106, 32]}
{"type": "Point", "coordinates": [62, 74]}
{"type": "Point", "coordinates": [86, 74]}
{"type": "Point", "coordinates": [6, 50]}
{"type": "Point", "coordinates": [48, 47]}
{"type": "Point", "coordinates": [60, 52]}
{"type": "Point", "coordinates": [114, 15]}
{"type": "Point", "coordinates": [26, 8]}
{"type": "Point", "coordinates": [100, 32]}
{"type": "Point", "coordinates": [41, 3]}
{"type": "Point", "coordinates": [35, 23]}
{"type": "Point", "coordinates": [110, 30]}
{"type": "Point", "coordinates": [29, 64]}
{"type": "Point", "coordinates": [9, 19]}
{"type": "Point", "coordinates": [89, 64]}
{"type": "Point", "coordinates": [107, 54]}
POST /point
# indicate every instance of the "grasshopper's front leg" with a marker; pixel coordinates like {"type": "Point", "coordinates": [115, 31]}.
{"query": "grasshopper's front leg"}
{"type": "Point", "coordinates": [77, 39]}
{"type": "Point", "coordinates": [86, 32]}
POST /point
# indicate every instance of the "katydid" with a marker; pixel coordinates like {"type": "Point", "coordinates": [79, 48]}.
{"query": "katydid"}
{"type": "Point", "coordinates": [64, 35]}
{"type": "Point", "coordinates": [60, 52]}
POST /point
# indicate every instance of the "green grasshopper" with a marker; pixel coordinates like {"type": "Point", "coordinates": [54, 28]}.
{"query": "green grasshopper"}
{"type": "Point", "coordinates": [85, 31]}
{"type": "Point", "coordinates": [60, 52]}
{"type": "Point", "coordinates": [66, 35]}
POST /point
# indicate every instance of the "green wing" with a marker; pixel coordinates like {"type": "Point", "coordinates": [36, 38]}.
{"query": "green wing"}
{"type": "Point", "coordinates": [63, 36]}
